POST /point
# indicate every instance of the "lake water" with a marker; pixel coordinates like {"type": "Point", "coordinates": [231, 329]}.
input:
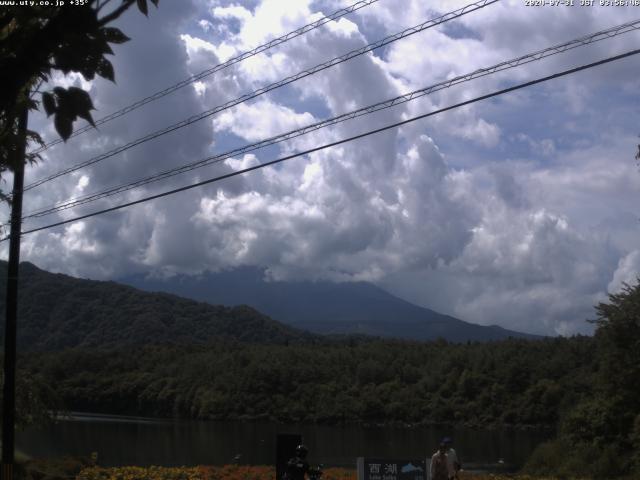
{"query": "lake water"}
{"type": "Point", "coordinates": [134, 441]}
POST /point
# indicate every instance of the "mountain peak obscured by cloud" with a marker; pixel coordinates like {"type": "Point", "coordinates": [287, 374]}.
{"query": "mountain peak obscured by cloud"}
{"type": "Point", "coordinates": [513, 211]}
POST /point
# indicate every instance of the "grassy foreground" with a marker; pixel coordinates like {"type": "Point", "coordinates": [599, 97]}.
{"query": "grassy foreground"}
{"type": "Point", "coordinates": [233, 472]}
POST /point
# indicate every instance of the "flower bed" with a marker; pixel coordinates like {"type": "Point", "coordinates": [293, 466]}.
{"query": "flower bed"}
{"type": "Point", "coordinates": [227, 472]}
{"type": "Point", "coordinates": [237, 472]}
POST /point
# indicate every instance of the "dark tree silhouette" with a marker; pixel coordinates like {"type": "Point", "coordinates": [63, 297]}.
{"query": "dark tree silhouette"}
{"type": "Point", "coordinates": [35, 41]}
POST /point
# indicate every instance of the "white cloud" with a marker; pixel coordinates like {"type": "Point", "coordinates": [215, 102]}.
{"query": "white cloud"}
{"type": "Point", "coordinates": [481, 131]}
{"type": "Point", "coordinates": [232, 11]}
{"type": "Point", "coordinates": [628, 272]}
{"type": "Point", "coordinates": [260, 120]}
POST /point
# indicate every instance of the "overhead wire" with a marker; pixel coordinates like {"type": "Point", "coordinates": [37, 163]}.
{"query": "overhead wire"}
{"type": "Point", "coordinates": [338, 142]}
{"type": "Point", "coordinates": [221, 66]}
{"type": "Point", "coordinates": [256, 93]}
{"type": "Point", "coordinates": [508, 64]}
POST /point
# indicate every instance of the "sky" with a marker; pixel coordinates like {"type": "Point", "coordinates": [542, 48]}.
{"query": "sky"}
{"type": "Point", "coordinates": [519, 211]}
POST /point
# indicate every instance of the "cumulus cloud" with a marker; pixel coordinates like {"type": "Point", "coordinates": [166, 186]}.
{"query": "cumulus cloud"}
{"type": "Point", "coordinates": [335, 224]}
{"type": "Point", "coordinates": [260, 120]}
{"type": "Point", "coordinates": [518, 211]}
{"type": "Point", "coordinates": [628, 272]}
{"type": "Point", "coordinates": [537, 264]}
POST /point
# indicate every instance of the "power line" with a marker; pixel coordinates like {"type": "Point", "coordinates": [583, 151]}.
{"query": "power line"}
{"type": "Point", "coordinates": [205, 73]}
{"type": "Point", "coordinates": [256, 93]}
{"type": "Point", "coordinates": [508, 64]}
{"type": "Point", "coordinates": [335, 61]}
{"type": "Point", "coordinates": [339, 142]}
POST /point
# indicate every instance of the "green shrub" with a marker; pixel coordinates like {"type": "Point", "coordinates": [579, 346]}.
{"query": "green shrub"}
{"type": "Point", "coordinates": [564, 460]}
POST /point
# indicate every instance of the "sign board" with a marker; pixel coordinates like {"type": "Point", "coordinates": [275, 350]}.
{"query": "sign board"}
{"type": "Point", "coordinates": [386, 469]}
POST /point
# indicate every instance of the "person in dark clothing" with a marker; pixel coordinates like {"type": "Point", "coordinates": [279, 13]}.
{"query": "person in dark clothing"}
{"type": "Point", "coordinates": [297, 467]}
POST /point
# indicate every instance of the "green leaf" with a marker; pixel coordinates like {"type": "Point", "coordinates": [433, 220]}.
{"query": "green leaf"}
{"type": "Point", "coordinates": [105, 69]}
{"type": "Point", "coordinates": [87, 116]}
{"type": "Point", "coordinates": [90, 65]}
{"type": "Point", "coordinates": [80, 98]}
{"type": "Point", "coordinates": [79, 104]}
{"type": "Point", "coordinates": [105, 47]}
{"type": "Point", "coordinates": [49, 103]}
{"type": "Point", "coordinates": [64, 125]}
{"type": "Point", "coordinates": [70, 55]}
{"type": "Point", "coordinates": [35, 137]}
{"type": "Point", "coordinates": [114, 35]}
{"type": "Point", "coordinates": [31, 104]}
{"type": "Point", "coordinates": [142, 6]}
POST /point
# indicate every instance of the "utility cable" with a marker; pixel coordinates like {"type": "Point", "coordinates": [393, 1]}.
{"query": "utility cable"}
{"type": "Point", "coordinates": [256, 93]}
{"type": "Point", "coordinates": [205, 73]}
{"type": "Point", "coordinates": [508, 64]}
{"type": "Point", "coordinates": [339, 142]}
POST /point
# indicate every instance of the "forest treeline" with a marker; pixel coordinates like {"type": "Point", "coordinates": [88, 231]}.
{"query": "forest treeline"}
{"type": "Point", "coordinates": [513, 382]}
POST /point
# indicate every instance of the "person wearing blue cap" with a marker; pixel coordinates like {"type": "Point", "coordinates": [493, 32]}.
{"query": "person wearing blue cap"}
{"type": "Point", "coordinates": [452, 459]}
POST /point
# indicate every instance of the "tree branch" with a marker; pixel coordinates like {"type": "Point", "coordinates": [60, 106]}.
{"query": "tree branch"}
{"type": "Point", "coordinates": [116, 13]}
{"type": "Point", "coordinates": [102, 4]}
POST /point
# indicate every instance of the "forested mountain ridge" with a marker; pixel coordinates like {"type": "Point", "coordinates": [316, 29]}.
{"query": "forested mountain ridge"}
{"type": "Point", "coordinates": [58, 311]}
{"type": "Point", "coordinates": [324, 307]}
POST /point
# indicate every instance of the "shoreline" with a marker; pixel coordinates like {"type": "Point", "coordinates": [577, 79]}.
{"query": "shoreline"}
{"type": "Point", "coordinates": [77, 416]}
{"type": "Point", "coordinates": [172, 442]}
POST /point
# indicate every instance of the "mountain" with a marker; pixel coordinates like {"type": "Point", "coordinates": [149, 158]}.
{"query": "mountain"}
{"type": "Point", "coordinates": [324, 307]}
{"type": "Point", "coordinates": [58, 311]}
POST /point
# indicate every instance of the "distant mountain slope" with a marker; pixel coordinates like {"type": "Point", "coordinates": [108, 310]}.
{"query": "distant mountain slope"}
{"type": "Point", "coordinates": [58, 311]}
{"type": "Point", "coordinates": [324, 307]}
